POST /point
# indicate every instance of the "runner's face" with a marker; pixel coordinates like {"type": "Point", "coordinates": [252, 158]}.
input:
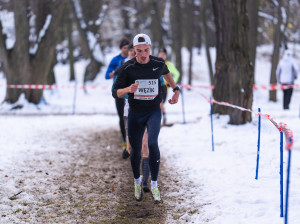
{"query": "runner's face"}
{"type": "Point", "coordinates": [131, 53]}
{"type": "Point", "coordinates": [162, 55]}
{"type": "Point", "coordinates": [142, 53]}
{"type": "Point", "coordinates": [124, 51]}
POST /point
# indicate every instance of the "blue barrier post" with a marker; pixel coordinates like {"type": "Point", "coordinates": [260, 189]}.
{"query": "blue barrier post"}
{"type": "Point", "coordinates": [287, 187]}
{"type": "Point", "coordinates": [212, 128]}
{"type": "Point", "coordinates": [281, 174]}
{"type": "Point", "coordinates": [183, 113]}
{"type": "Point", "coordinates": [74, 98]}
{"type": "Point", "coordinates": [258, 145]}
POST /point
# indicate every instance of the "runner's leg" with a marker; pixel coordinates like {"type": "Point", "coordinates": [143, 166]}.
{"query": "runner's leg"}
{"type": "Point", "coordinates": [136, 129]}
{"type": "Point", "coordinates": [120, 109]}
{"type": "Point", "coordinates": [289, 96]}
{"type": "Point", "coordinates": [153, 128]}
{"type": "Point", "coordinates": [126, 152]}
{"type": "Point", "coordinates": [145, 162]}
{"type": "Point", "coordinates": [164, 98]}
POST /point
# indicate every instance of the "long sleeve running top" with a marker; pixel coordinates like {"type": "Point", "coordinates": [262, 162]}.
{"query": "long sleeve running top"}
{"type": "Point", "coordinates": [113, 65]}
{"type": "Point", "coordinates": [148, 96]}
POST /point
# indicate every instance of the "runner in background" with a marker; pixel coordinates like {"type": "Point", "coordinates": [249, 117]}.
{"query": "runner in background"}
{"type": "Point", "coordinates": [127, 150]}
{"type": "Point", "coordinates": [140, 79]}
{"type": "Point", "coordinates": [176, 75]}
{"type": "Point", "coordinates": [114, 64]}
{"type": "Point", "coordinates": [287, 72]}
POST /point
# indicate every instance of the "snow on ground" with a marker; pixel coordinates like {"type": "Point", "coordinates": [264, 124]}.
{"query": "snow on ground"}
{"type": "Point", "coordinates": [226, 177]}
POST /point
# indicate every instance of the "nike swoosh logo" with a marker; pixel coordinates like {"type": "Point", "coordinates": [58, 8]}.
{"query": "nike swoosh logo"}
{"type": "Point", "coordinates": [155, 68]}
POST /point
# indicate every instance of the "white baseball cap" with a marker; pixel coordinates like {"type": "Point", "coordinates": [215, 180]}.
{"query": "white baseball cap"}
{"type": "Point", "coordinates": [141, 39]}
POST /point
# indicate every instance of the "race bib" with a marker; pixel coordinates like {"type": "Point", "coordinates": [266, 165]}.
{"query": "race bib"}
{"type": "Point", "coordinates": [147, 89]}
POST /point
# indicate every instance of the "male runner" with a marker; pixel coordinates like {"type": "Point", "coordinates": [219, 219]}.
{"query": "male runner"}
{"type": "Point", "coordinates": [140, 79]}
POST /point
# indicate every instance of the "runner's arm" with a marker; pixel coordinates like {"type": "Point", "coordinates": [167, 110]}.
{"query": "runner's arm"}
{"type": "Point", "coordinates": [130, 89]}
{"type": "Point", "coordinates": [121, 87]}
{"type": "Point", "coordinates": [168, 77]}
{"type": "Point", "coordinates": [111, 67]}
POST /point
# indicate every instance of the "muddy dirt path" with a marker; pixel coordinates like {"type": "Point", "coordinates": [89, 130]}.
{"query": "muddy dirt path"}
{"type": "Point", "coordinates": [91, 183]}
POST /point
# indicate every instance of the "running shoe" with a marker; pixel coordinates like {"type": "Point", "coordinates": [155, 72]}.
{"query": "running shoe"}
{"type": "Point", "coordinates": [125, 154]}
{"type": "Point", "coordinates": [138, 193]}
{"type": "Point", "coordinates": [146, 188]}
{"type": "Point", "coordinates": [156, 194]}
{"type": "Point", "coordinates": [124, 146]}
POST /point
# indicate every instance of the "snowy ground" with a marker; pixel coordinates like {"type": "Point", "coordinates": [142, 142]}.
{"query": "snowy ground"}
{"type": "Point", "coordinates": [226, 177]}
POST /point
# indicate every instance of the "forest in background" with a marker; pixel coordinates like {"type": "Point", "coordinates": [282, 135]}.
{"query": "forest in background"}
{"type": "Point", "coordinates": [37, 34]}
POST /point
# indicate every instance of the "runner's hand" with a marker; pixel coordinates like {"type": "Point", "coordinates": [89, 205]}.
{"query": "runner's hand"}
{"type": "Point", "coordinates": [133, 87]}
{"type": "Point", "coordinates": [174, 98]}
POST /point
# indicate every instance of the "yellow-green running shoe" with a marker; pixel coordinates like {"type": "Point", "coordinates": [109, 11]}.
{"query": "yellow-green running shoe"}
{"type": "Point", "coordinates": [138, 193]}
{"type": "Point", "coordinates": [156, 194]}
{"type": "Point", "coordinates": [124, 145]}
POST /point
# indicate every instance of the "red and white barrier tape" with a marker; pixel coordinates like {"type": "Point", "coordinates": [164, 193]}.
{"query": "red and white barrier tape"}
{"type": "Point", "coordinates": [281, 126]}
{"type": "Point", "coordinates": [197, 86]}
{"type": "Point", "coordinates": [36, 86]}
{"type": "Point", "coordinates": [255, 87]}
{"type": "Point", "coordinates": [275, 87]}
{"type": "Point", "coordinates": [40, 86]}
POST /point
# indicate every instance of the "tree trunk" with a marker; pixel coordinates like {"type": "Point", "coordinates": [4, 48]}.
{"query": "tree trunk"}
{"type": "Point", "coordinates": [276, 52]}
{"type": "Point", "coordinates": [234, 73]}
{"type": "Point", "coordinates": [158, 32]}
{"type": "Point", "coordinates": [19, 60]}
{"type": "Point", "coordinates": [20, 66]}
{"type": "Point", "coordinates": [252, 7]}
{"type": "Point", "coordinates": [51, 76]}
{"type": "Point", "coordinates": [176, 34]}
{"type": "Point", "coordinates": [126, 18]}
{"type": "Point", "coordinates": [204, 28]}
{"type": "Point", "coordinates": [190, 39]}
{"type": "Point", "coordinates": [70, 40]}
{"type": "Point", "coordinates": [94, 66]}
{"type": "Point", "coordinates": [190, 72]}
{"type": "Point", "coordinates": [46, 50]}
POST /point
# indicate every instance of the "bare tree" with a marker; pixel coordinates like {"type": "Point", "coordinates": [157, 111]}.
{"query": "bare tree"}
{"type": "Point", "coordinates": [158, 32]}
{"type": "Point", "coordinates": [26, 64]}
{"type": "Point", "coordinates": [252, 7]}
{"type": "Point", "coordinates": [176, 33]}
{"type": "Point", "coordinates": [276, 51]}
{"type": "Point", "coordinates": [142, 22]}
{"type": "Point", "coordinates": [89, 16]}
{"type": "Point", "coordinates": [234, 73]}
{"type": "Point", "coordinates": [204, 6]}
{"type": "Point", "coordinates": [190, 16]}
{"type": "Point", "coordinates": [125, 4]}
{"type": "Point", "coordinates": [69, 24]}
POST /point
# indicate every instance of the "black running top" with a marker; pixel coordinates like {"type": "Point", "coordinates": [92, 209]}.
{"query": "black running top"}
{"type": "Point", "coordinates": [148, 96]}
